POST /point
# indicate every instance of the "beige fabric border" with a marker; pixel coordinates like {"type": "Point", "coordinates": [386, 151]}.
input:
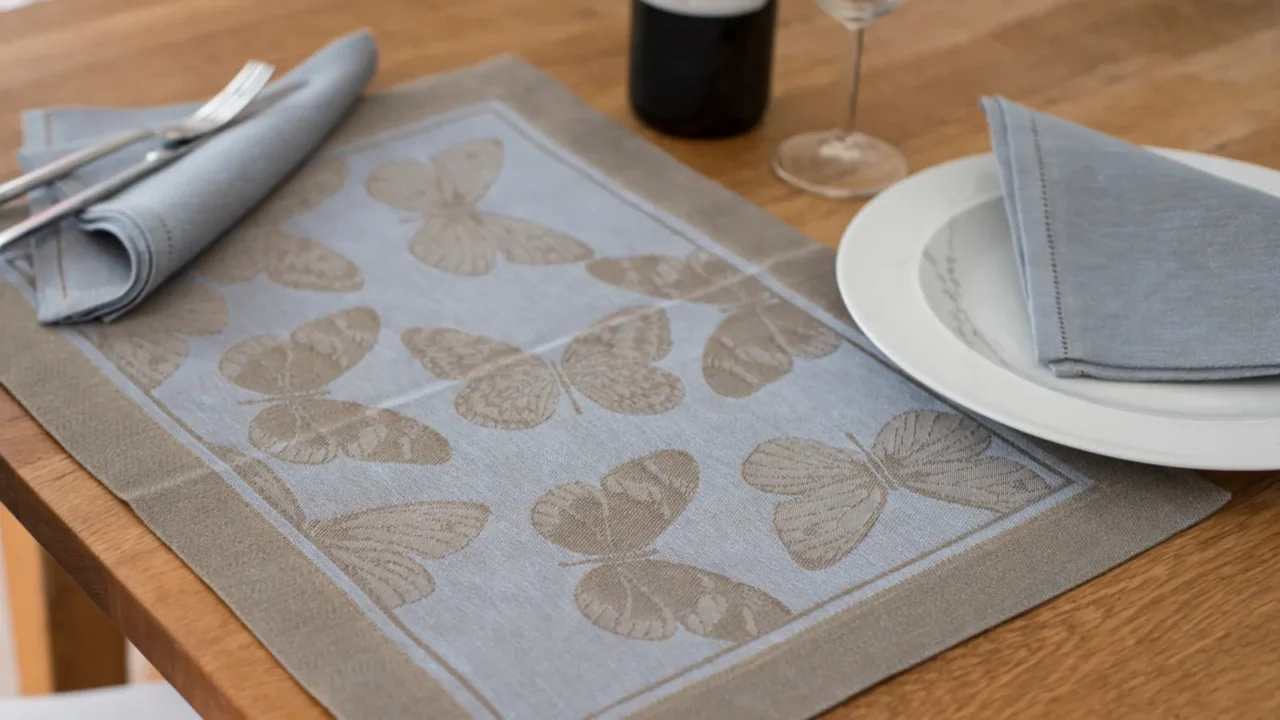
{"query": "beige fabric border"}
{"type": "Point", "coordinates": [197, 514]}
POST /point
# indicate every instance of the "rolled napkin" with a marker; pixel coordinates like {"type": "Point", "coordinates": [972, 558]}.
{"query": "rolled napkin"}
{"type": "Point", "coordinates": [116, 253]}
{"type": "Point", "coordinates": [1134, 266]}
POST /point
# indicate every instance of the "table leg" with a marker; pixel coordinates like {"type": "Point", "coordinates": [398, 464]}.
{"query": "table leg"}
{"type": "Point", "coordinates": [63, 641]}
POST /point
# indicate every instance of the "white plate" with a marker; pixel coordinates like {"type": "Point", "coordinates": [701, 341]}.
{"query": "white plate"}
{"type": "Point", "coordinates": [927, 270]}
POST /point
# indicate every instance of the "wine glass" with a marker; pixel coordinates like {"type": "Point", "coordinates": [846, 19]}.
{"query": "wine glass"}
{"type": "Point", "coordinates": [844, 163]}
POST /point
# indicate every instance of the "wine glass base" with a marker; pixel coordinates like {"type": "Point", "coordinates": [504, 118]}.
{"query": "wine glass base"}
{"type": "Point", "coordinates": [839, 165]}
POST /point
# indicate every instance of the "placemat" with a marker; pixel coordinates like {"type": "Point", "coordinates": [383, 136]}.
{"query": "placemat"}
{"type": "Point", "coordinates": [496, 410]}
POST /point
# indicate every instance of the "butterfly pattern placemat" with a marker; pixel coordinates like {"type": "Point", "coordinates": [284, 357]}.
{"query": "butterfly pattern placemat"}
{"type": "Point", "coordinates": [495, 410]}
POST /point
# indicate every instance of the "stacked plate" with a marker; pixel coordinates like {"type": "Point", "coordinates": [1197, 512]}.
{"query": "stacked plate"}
{"type": "Point", "coordinates": [927, 270]}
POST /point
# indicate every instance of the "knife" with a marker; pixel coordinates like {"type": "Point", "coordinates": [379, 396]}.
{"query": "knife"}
{"type": "Point", "coordinates": [151, 162]}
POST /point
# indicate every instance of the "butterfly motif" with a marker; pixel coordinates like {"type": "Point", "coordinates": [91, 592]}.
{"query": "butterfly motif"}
{"type": "Point", "coordinates": [757, 342]}
{"type": "Point", "coordinates": [838, 493]}
{"type": "Point", "coordinates": [629, 593]}
{"type": "Point", "coordinates": [260, 244]}
{"type": "Point", "coordinates": [380, 549]}
{"type": "Point", "coordinates": [301, 426]}
{"type": "Point", "coordinates": [147, 345]}
{"type": "Point", "coordinates": [456, 236]}
{"type": "Point", "coordinates": [509, 389]}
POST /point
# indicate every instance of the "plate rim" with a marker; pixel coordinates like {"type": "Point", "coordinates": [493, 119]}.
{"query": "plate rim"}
{"type": "Point", "coordinates": [995, 392]}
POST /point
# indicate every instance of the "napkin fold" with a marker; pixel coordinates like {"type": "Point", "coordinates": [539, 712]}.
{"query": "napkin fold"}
{"type": "Point", "coordinates": [116, 253]}
{"type": "Point", "coordinates": [1134, 266]}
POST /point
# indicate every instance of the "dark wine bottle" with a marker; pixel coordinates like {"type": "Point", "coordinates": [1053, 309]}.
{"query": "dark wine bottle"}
{"type": "Point", "coordinates": [700, 68]}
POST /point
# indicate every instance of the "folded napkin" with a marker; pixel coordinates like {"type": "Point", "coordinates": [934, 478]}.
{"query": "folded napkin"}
{"type": "Point", "coordinates": [1134, 266]}
{"type": "Point", "coordinates": [115, 254]}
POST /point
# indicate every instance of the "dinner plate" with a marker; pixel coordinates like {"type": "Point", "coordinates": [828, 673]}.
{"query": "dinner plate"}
{"type": "Point", "coordinates": [927, 270]}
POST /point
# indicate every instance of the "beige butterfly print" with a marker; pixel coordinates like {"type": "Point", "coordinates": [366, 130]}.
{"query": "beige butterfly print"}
{"type": "Point", "coordinates": [456, 236]}
{"type": "Point", "coordinates": [838, 493]}
{"type": "Point", "coordinates": [382, 549]}
{"type": "Point", "coordinates": [260, 245]}
{"type": "Point", "coordinates": [755, 345]}
{"type": "Point", "coordinates": [299, 425]}
{"type": "Point", "coordinates": [629, 593]}
{"type": "Point", "coordinates": [509, 389]}
{"type": "Point", "coordinates": [148, 344]}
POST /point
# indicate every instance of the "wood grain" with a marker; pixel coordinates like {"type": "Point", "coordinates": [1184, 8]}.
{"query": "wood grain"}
{"type": "Point", "coordinates": [85, 649]}
{"type": "Point", "coordinates": [1190, 629]}
{"type": "Point", "coordinates": [61, 640]}
{"type": "Point", "coordinates": [28, 611]}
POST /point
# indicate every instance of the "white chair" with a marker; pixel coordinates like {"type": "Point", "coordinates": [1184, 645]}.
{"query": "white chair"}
{"type": "Point", "coordinates": [146, 701]}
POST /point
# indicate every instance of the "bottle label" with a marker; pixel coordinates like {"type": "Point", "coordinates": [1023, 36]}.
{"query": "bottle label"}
{"type": "Point", "coordinates": [707, 8]}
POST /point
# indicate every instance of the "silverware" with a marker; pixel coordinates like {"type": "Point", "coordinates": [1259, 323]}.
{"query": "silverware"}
{"type": "Point", "coordinates": [151, 162]}
{"type": "Point", "coordinates": [220, 110]}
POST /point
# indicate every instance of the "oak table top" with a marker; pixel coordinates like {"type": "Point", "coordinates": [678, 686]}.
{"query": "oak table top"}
{"type": "Point", "coordinates": [1190, 629]}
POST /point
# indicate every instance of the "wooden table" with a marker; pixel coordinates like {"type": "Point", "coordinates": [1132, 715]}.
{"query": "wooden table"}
{"type": "Point", "coordinates": [1191, 629]}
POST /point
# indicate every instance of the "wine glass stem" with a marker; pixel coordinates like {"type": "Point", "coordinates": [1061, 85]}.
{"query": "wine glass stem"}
{"type": "Point", "coordinates": [859, 40]}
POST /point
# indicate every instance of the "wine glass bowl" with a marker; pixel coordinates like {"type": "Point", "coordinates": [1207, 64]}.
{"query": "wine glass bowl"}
{"type": "Point", "coordinates": [858, 14]}
{"type": "Point", "coordinates": [843, 163]}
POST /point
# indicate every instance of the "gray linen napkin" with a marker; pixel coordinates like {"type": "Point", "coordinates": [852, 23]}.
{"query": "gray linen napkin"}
{"type": "Point", "coordinates": [118, 252]}
{"type": "Point", "coordinates": [1136, 267]}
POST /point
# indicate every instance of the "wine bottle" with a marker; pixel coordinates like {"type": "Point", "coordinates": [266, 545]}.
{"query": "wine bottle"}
{"type": "Point", "coordinates": [700, 68]}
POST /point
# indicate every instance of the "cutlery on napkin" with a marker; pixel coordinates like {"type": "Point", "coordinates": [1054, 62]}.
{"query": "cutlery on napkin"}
{"type": "Point", "coordinates": [214, 115]}
{"type": "Point", "coordinates": [1134, 266]}
{"type": "Point", "coordinates": [112, 256]}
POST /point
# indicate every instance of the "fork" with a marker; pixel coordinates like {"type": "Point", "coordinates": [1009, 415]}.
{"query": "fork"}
{"type": "Point", "coordinates": [211, 116]}
{"type": "Point", "coordinates": [150, 163]}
